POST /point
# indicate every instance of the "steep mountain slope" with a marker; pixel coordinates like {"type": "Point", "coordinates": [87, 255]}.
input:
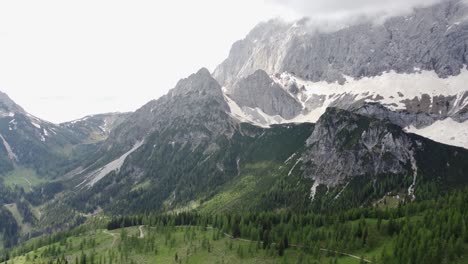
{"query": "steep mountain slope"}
{"type": "Point", "coordinates": [345, 160]}
{"type": "Point", "coordinates": [164, 141]}
{"type": "Point", "coordinates": [95, 128]}
{"type": "Point", "coordinates": [292, 120]}
{"type": "Point", "coordinates": [358, 154]}
{"type": "Point", "coordinates": [412, 64]}
{"type": "Point", "coordinates": [189, 114]}
{"type": "Point", "coordinates": [432, 38]}
{"type": "Point", "coordinates": [188, 150]}
{"type": "Point", "coordinates": [259, 90]}
{"type": "Point", "coordinates": [31, 142]}
{"type": "Point", "coordinates": [34, 157]}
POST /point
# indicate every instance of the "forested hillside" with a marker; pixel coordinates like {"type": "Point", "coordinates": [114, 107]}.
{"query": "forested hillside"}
{"type": "Point", "coordinates": [432, 231]}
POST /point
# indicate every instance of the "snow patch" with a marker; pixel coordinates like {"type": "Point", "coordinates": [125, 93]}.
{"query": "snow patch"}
{"type": "Point", "coordinates": [95, 176]}
{"type": "Point", "coordinates": [386, 88]}
{"type": "Point", "coordinates": [79, 120]}
{"type": "Point", "coordinates": [237, 113]}
{"type": "Point", "coordinates": [313, 190]}
{"type": "Point", "coordinates": [250, 115]}
{"type": "Point", "coordinates": [11, 155]}
{"type": "Point", "coordinates": [294, 166]}
{"type": "Point", "coordinates": [342, 190]}
{"type": "Point", "coordinates": [7, 114]}
{"type": "Point", "coordinates": [12, 125]}
{"type": "Point", "coordinates": [447, 131]}
{"type": "Point", "coordinates": [414, 167]}
{"type": "Point", "coordinates": [36, 125]}
{"type": "Point", "coordinates": [390, 89]}
{"type": "Point", "coordinates": [290, 158]}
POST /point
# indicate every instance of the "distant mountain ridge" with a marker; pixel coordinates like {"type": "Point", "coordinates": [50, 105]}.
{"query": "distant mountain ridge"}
{"type": "Point", "coordinates": [429, 39]}
{"type": "Point", "coordinates": [291, 120]}
{"type": "Point", "coordinates": [413, 65]}
{"type": "Point", "coordinates": [95, 128]}
{"type": "Point", "coordinates": [259, 84]}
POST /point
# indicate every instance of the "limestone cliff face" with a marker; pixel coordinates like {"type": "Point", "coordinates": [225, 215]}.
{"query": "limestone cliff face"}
{"type": "Point", "coordinates": [259, 90]}
{"type": "Point", "coordinates": [432, 38]}
{"type": "Point", "coordinates": [414, 66]}
{"type": "Point", "coordinates": [345, 145]}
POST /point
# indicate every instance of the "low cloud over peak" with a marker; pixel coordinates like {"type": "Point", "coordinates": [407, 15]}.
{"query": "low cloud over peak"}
{"type": "Point", "coordinates": [348, 12]}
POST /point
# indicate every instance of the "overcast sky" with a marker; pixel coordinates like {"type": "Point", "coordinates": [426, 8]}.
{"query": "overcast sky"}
{"type": "Point", "coordinates": [62, 60]}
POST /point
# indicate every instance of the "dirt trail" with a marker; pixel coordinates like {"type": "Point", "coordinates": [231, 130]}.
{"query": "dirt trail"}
{"type": "Point", "coordinates": [30, 184]}
{"type": "Point", "coordinates": [114, 236]}
{"type": "Point", "coordinates": [299, 246]}
{"type": "Point", "coordinates": [142, 235]}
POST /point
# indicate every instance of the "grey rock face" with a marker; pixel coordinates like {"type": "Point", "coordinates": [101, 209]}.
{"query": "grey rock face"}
{"type": "Point", "coordinates": [440, 106]}
{"type": "Point", "coordinates": [433, 38]}
{"type": "Point", "coordinates": [31, 142]}
{"type": "Point", "coordinates": [259, 90]}
{"type": "Point", "coordinates": [261, 49]}
{"type": "Point", "coordinates": [8, 105]}
{"type": "Point", "coordinates": [400, 118]}
{"type": "Point", "coordinates": [345, 145]}
{"type": "Point", "coordinates": [95, 128]}
{"type": "Point", "coordinates": [180, 112]}
{"type": "Point", "coordinates": [419, 112]}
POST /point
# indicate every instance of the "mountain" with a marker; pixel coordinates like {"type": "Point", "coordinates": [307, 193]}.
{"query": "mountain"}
{"type": "Point", "coordinates": [365, 86]}
{"type": "Point", "coordinates": [35, 155]}
{"type": "Point", "coordinates": [164, 141]}
{"type": "Point", "coordinates": [352, 153]}
{"type": "Point", "coordinates": [260, 91]}
{"type": "Point", "coordinates": [95, 128]}
{"type": "Point", "coordinates": [431, 38]}
{"type": "Point", "coordinates": [188, 149]}
{"type": "Point", "coordinates": [294, 120]}
{"type": "Point", "coordinates": [28, 141]}
{"type": "Point", "coordinates": [414, 65]}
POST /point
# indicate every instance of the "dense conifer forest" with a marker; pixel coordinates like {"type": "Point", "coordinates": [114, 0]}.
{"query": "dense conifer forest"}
{"type": "Point", "coordinates": [431, 231]}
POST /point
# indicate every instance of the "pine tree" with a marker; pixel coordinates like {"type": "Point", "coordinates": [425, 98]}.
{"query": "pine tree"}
{"type": "Point", "coordinates": [281, 248]}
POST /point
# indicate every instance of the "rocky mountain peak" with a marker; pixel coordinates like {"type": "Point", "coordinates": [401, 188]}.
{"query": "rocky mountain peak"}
{"type": "Point", "coordinates": [8, 105]}
{"type": "Point", "coordinates": [195, 101]}
{"type": "Point", "coordinates": [203, 71]}
{"type": "Point", "coordinates": [260, 91]}
{"type": "Point", "coordinates": [201, 82]}
{"type": "Point", "coordinates": [431, 38]}
{"type": "Point", "coordinates": [344, 145]}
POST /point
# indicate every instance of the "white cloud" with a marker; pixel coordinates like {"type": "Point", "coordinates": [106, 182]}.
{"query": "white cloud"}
{"type": "Point", "coordinates": [345, 11]}
{"type": "Point", "coordinates": [71, 52]}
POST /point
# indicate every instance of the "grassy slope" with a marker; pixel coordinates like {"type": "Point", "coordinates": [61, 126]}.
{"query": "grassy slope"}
{"type": "Point", "coordinates": [223, 250]}
{"type": "Point", "coordinates": [241, 189]}
{"type": "Point", "coordinates": [25, 227]}
{"type": "Point", "coordinates": [22, 177]}
{"type": "Point", "coordinates": [187, 243]}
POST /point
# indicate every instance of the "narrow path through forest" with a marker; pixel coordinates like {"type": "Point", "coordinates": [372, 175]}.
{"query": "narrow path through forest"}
{"type": "Point", "coordinates": [142, 235]}
{"type": "Point", "coordinates": [300, 246]}
{"type": "Point", "coordinates": [114, 236]}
